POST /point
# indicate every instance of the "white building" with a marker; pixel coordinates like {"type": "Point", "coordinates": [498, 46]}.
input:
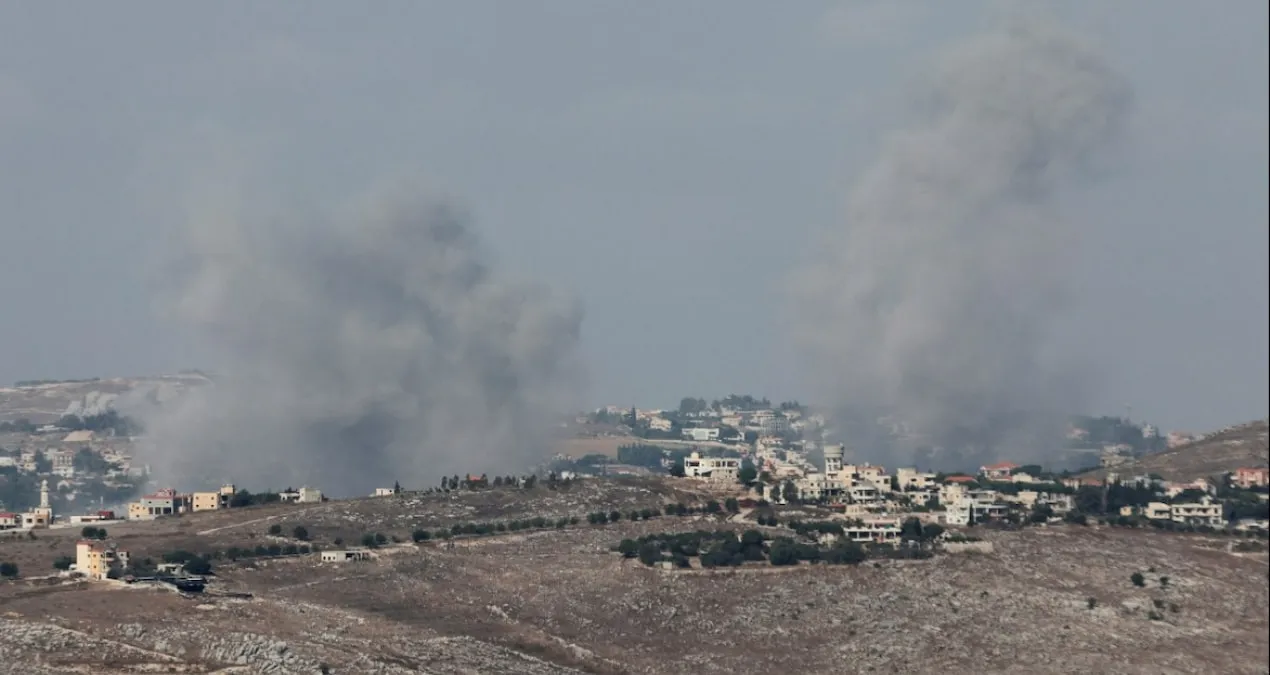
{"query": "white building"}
{"type": "Point", "coordinates": [713, 468]}
{"type": "Point", "coordinates": [701, 434]}
{"type": "Point", "coordinates": [346, 555]}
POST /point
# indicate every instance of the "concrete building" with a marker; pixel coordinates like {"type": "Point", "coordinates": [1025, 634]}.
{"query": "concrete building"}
{"type": "Point", "coordinates": [346, 555]}
{"type": "Point", "coordinates": [701, 434]}
{"type": "Point", "coordinates": [96, 560]}
{"type": "Point", "coordinates": [9, 520]}
{"type": "Point", "coordinates": [724, 469]}
{"type": "Point", "coordinates": [41, 516]}
{"type": "Point", "coordinates": [1000, 471]}
{"type": "Point", "coordinates": [1205, 512]}
{"type": "Point", "coordinates": [212, 501]}
{"type": "Point", "coordinates": [1248, 478]}
{"type": "Point", "coordinates": [912, 479]}
{"type": "Point", "coordinates": [164, 502]}
{"type": "Point", "coordinates": [833, 459]}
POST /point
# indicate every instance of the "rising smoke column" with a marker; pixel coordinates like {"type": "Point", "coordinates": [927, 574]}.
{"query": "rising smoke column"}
{"type": "Point", "coordinates": [350, 355]}
{"type": "Point", "coordinates": [935, 299]}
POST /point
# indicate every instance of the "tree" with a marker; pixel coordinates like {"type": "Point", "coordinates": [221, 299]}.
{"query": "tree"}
{"type": "Point", "coordinates": [689, 405]}
{"type": "Point", "coordinates": [198, 566]}
{"type": "Point", "coordinates": [1137, 579]}
{"type": "Point", "coordinates": [8, 570]}
{"type": "Point", "coordinates": [93, 532]}
{"type": "Point", "coordinates": [776, 492]}
{"type": "Point", "coordinates": [628, 548]}
{"type": "Point", "coordinates": [712, 506]}
{"type": "Point", "coordinates": [649, 554]}
{"type": "Point", "coordinates": [275, 529]}
{"type": "Point", "coordinates": [615, 516]}
{"type": "Point", "coordinates": [911, 529]}
{"type": "Point", "coordinates": [748, 473]}
{"type": "Point", "coordinates": [731, 505]}
{"type": "Point", "coordinates": [677, 469]}
{"type": "Point", "coordinates": [300, 532]}
{"type": "Point", "coordinates": [63, 562]}
{"type": "Point", "coordinates": [368, 540]}
{"type": "Point", "coordinates": [396, 487]}
{"type": "Point", "coordinates": [420, 535]}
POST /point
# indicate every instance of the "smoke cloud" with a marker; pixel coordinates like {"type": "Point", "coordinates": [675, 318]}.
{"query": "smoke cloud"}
{"type": "Point", "coordinates": [349, 355]}
{"type": "Point", "coordinates": [935, 302]}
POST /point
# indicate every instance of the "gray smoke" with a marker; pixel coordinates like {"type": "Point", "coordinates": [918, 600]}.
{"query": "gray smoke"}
{"type": "Point", "coordinates": [935, 302]}
{"type": "Point", "coordinates": [350, 355]}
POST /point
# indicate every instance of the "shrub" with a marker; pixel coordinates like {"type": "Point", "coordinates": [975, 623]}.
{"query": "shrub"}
{"type": "Point", "coordinates": [380, 539]}
{"type": "Point", "coordinates": [290, 549]}
{"type": "Point", "coordinates": [199, 566]}
{"type": "Point", "coordinates": [615, 516]}
{"type": "Point", "coordinates": [1164, 582]}
{"type": "Point", "coordinates": [649, 554]}
{"type": "Point", "coordinates": [274, 550]}
{"type": "Point", "coordinates": [420, 535]}
{"type": "Point", "coordinates": [368, 540]}
{"type": "Point", "coordinates": [628, 548]}
{"type": "Point", "coordinates": [63, 563]}
{"type": "Point", "coordinates": [178, 556]}
{"type": "Point", "coordinates": [1137, 579]}
{"type": "Point", "coordinates": [1091, 603]}
{"type": "Point", "coordinates": [275, 529]}
{"type": "Point", "coordinates": [338, 541]}
{"type": "Point", "coordinates": [300, 532]}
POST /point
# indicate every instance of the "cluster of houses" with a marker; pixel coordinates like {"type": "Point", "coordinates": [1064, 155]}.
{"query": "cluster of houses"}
{"type": "Point", "coordinates": [169, 502]}
{"type": "Point", "coordinates": [875, 502]}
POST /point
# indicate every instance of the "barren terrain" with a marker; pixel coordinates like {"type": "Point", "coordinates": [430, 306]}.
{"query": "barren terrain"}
{"type": "Point", "coordinates": [558, 600]}
{"type": "Point", "coordinates": [1244, 445]}
{"type": "Point", "coordinates": [45, 403]}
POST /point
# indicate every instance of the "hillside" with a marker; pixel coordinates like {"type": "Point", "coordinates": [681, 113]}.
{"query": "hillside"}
{"type": "Point", "coordinates": [557, 600]}
{"type": "Point", "coordinates": [1244, 445]}
{"type": "Point", "coordinates": [45, 403]}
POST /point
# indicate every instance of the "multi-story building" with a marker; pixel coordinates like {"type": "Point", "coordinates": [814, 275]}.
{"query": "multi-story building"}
{"type": "Point", "coordinates": [1205, 512]}
{"type": "Point", "coordinates": [1248, 478]}
{"type": "Point", "coordinates": [713, 468]}
{"type": "Point", "coordinates": [96, 560]}
{"type": "Point", "coordinates": [1000, 471]}
{"type": "Point", "coordinates": [164, 502]}
{"type": "Point", "coordinates": [212, 501]}
{"type": "Point", "coordinates": [912, 479]}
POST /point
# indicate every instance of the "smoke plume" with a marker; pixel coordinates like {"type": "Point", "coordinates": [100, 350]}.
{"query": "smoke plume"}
{"type": "Point", "coordinates": [934, 303]}
{"type": "Point", "coordinates": [350, 355]}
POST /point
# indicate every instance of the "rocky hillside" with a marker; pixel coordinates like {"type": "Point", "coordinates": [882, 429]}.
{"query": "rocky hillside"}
{"type": "Point", "coordinates": [1055, 599]}
{"type": "Point", "coordinates": [44, 402]}
{"type": "Point", "coordinates": [1243, 445]}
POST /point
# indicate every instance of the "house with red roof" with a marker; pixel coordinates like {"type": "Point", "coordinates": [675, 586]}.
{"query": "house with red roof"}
{"type": "Point", "coordinates": [959, 479]}
{"type": "Point", "coordinates": [999, 471]}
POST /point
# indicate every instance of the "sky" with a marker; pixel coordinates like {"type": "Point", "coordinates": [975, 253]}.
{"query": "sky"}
{"type": "Point", "coordinates": [667, 164]}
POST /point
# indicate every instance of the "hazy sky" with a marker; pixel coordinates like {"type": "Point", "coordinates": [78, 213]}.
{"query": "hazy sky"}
{"type": "Point", "coordinates": [666, 162]}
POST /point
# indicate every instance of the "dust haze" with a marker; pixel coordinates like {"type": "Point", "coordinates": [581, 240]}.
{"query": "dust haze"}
{"type": "Point", "coordinates": [934, 302]}
{"type": "Point", "coordinates": [348, 354]}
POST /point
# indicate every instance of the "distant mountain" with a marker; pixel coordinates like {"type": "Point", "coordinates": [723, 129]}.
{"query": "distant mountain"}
{"type": "Point", "coordinates": [1243, 445]}
{"type": "Point", "coordinates": [42, 402]}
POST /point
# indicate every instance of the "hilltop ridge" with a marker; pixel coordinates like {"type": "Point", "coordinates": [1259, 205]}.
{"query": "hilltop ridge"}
{"type": "Point", "coordinates": [1240, 445]}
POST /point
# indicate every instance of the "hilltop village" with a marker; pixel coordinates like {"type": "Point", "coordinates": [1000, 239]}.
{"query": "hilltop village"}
{"type": "Point", "coordinates": [750, 456]}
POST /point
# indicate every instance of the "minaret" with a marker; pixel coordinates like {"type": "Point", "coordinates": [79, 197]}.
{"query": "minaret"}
{"type": "Point", "coordinates": [44, 494]}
